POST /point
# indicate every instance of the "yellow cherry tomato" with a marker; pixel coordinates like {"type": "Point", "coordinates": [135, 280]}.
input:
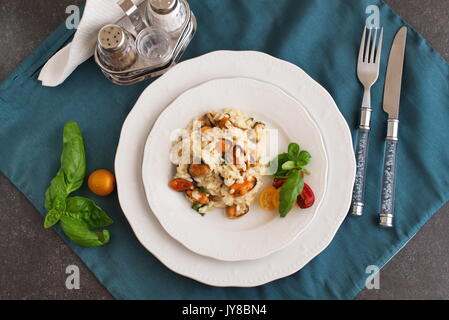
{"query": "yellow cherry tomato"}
{"type": "Point", "coordinates": [266, 198]}
{"type": "Point", "coordinates": [101, 182]}
{"type": "Point", "coordinates": [276, 198]}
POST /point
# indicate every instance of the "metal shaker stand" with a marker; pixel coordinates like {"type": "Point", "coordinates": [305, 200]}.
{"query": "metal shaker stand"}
{"type": "Point", "coordinates": [141, 70]}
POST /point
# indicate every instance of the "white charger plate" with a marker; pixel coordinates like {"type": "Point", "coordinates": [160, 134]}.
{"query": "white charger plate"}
{"type": "Point", "coordinates": [229, 64]}
{"type": "Point", "coordinates": [260, 232]}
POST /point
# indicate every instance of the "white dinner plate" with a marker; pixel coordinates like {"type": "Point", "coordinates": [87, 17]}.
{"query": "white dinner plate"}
{"type": "Point", "coordinates": [229, 64]}
{"type": "Point", "coordinates": [260, 232]}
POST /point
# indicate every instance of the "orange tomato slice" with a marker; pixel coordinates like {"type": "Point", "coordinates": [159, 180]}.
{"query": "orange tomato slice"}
{"type": "Point", "coordinates": [266, 198]}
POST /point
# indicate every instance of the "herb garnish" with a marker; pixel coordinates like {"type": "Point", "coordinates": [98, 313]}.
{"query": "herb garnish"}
{"type": "Point", "coordinates": [290, 167]}
{"type": "Point", "coordinates": [197, 207]}
{"type": "Point", "coordinates": [77, 214]}
{"type": "Point", "coordinates": [202, 190]}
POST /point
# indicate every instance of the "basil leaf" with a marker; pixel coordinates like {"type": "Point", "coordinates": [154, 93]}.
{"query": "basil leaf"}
{"type": "Point", "coordinates": [293, 151]}
{"type": "Point", "coordinates": [78, 231]}
{"type": "Point", "coordinates": [289, 165]}
{"type": "Point", "coordinates": [282, 158]}
{"type": "Point", "coordinates": [290, 190]}
{"type": "Point", "coordinates": [57, 190]}
{"type": "Point", "coordinates": [73, 166]}
{"type": "Point", "coordinates": [282, 174]}
{"type": "Point", "coordinates": [59, 203]}
{"type": "Point", "coordinates": [52, 218]}
{"type": "Point", "coordinates": [87, 211]}
{"type": "Point", "coordinates": [304, 158]}
{"type": "Point", "coordinates": [73, 158]}
{"type": "Point", "coordinates": [278, 162]}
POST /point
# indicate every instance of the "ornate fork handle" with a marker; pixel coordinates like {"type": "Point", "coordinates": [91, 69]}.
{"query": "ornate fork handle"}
{"type": "Point", "coordinates": [358, 194]}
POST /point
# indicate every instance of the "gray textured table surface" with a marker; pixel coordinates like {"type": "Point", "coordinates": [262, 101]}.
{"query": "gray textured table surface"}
{"type": "Point", "coordinates": [33, 260]}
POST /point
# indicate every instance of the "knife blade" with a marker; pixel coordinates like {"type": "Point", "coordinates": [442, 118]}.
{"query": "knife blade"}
{"type": "Point", "coordinates": [393, 80]}
{"type": "Point", "coordinates": [392, 96]}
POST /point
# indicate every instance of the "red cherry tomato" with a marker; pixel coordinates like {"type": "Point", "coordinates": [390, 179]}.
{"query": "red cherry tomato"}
{"type": "Point", "coordinates": [306, 199]}
{"type": "Point", "coordinates": [277, 183]}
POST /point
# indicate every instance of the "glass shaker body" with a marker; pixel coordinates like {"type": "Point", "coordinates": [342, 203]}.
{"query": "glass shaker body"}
{"type": "Point", "coordinates": [170, 15]}
{"type": "Point", "coordinates": [116, 47]}
{"type": "Point", "coordinates": [154, 45]}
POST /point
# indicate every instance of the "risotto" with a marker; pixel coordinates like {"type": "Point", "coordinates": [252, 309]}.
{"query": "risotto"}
{"type": "Point", "coordinates": [219, 161]}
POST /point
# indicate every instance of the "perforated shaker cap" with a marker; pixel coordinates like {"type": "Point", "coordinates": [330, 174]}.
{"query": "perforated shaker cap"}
{"type": "Point", "coordinates": [111, 38]}
{"type": "Point", "coordinates": [163, 6]}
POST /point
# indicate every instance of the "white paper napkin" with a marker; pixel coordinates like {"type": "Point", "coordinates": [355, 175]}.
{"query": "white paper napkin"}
{"type": "Point", "coordinates": [97, 13]}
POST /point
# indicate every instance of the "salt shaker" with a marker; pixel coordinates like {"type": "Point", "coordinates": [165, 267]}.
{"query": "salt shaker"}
{"type": "Point", "coordinates": [170, 15]}
{"type": "Point", "coordinates": [116, 48]}
{"type": "Point", "coordinates": [153, 43]}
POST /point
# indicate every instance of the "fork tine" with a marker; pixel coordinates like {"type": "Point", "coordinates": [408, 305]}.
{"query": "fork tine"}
{"type": "Point", "coordinates": [362, 46]}
{"type": "Point", "coordinates": [373, 48]}
{"type": "Point", "coordinates": [379, 47]}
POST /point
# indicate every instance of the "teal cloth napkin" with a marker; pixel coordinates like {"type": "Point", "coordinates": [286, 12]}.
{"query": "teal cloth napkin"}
{"type": "Point", "coordinates": [320, 36]}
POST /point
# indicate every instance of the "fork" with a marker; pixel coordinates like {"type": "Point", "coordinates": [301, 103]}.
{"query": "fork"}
{"type": "Point", "coordinates": [368, 73]}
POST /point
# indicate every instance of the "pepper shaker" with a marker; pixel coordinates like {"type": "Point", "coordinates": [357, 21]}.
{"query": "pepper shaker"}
{"type": "Point", "coordinates": [116, 47]}
{"type": "Point", "coordinates": [170, 15]}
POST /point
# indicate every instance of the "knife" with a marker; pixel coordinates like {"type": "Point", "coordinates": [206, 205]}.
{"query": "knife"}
{"type": "Point", "coordinates": [392, 95]}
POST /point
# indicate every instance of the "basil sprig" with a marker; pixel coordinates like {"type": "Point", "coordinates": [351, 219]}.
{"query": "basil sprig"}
{"type": "Point", "coordinates": [78, 215]}
{"type": "Point", "coordinates": [290, 167]}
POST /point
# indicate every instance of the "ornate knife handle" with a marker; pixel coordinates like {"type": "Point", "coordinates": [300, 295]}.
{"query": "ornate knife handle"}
{"type": "Point", "coordinates": [358, 194]}
{"type": "Point", "coordinates": [389, 175]}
